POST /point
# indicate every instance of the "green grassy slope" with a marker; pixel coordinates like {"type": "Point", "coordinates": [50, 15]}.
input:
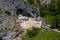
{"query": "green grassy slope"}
{"type": "Point", "coordinates": [45, 35]}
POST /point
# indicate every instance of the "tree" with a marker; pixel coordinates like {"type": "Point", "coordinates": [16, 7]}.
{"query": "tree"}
{"type": "Point", "coordinates": [33, 32]}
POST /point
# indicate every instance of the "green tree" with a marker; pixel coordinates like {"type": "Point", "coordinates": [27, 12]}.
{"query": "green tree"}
{"type": "Point", "coordinates": [33, 32]}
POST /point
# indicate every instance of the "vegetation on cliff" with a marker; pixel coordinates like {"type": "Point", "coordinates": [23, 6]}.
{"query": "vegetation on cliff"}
{"type": "Point", "coordinates": [41, 34]}
{"type": "Point", "coordinates": [50, 12]}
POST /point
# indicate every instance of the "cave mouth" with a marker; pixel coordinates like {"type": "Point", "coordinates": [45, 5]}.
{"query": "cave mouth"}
{"type": "Point", "coordinates": [8, 13]}
{"type": "Point", "coordinates": [23, 12]}
{"type": "Point", "coordinates": [19, 11]}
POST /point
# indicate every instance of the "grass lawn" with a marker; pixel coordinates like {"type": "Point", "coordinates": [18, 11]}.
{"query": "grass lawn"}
{"type": "Point", "coordinates": [44, 35]}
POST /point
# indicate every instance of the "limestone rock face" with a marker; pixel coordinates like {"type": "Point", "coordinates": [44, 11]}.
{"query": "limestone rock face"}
{"type": "Point", "coordinates": [10, 19]}
{"type": "Point", "coordinates": [7, 17]}
{"type": "Point", "coordinates": [27, 23]}
{"type": "Point", "coordinates": [11, 4]}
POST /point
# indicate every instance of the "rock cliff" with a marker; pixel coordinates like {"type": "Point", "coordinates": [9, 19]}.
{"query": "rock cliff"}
{"type": "Point", "coordinates": [12, 24]}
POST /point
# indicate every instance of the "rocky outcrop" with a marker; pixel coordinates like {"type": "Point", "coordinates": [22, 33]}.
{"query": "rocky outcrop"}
{"type": "Point", "coordinates": [28, 23]}
{"type": "Point", "coordinates": [11, 22]}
